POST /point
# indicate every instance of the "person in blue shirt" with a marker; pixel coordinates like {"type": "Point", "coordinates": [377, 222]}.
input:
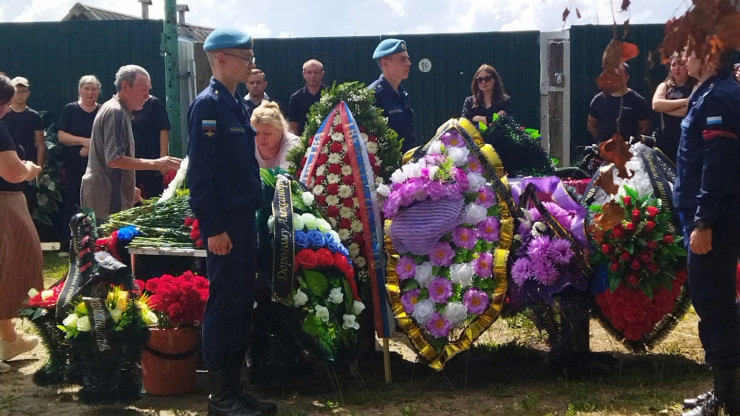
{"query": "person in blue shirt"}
{"type": "Point", "coordinates": [393, 59]}
{"type": "Point", "coordinates": [707, 194]}
{"type": "Point", "coordinates": [225, 192]}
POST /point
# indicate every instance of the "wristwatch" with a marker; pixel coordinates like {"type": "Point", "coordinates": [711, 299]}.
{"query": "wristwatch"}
{"type": "Point", "coordinates": [701, 225]}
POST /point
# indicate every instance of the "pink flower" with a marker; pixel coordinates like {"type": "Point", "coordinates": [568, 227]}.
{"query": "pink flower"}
{"type": "Point", "coordinates": [462, 179]}
{"type": "Point", "coordinates": [486, 197]}
{"type": "Point", "coordinates": [440, 289]}
{"type": "Point", "coordinates": [483, 265]}
{"type": "Point", "coordinates": [409, 300]}
{"type": "Point", "coordinates": [464, 237]}
{"type": "Point", "coordinates": [406, 268]}
{"type": "Point", "coordinates": [476, 301]}
{"type": "Point", "coordinates": [488, 229]}
{"type": "Point", "coordinates": [442, 254]}
{"type": "Point", "coordinates": [438, 325]}
{"type": "Point", "coordinates": [474, 164]}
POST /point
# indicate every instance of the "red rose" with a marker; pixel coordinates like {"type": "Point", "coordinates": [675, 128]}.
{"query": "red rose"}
{"type": "Point", "coordinates": [630, 226]}
{"type": "Point", "coordinates": [345, 223]}
{"type": "Point", "coordinates": [348, 180]}
{"type": "Point", "coordinates": [606, 248]}
{"type": "Point", "coordinates": [189, 221]}
{"type": "Point", "coordinates": [324, 257]}
{"type": "Point", "coordinates": [668, 239]}
{"type": "Point", "coordinates": [653, 268]}
{"type": "Point", "coordinates": [348, 202]}
{"type": "Point", "coordinates": [652, 211]}
{"type": "Point", "coordinates": [336, 147]}
{"type": "Point", "coordinates": [652, 245]}
{"type": "Point", "coordinates": [335, 169]}
{"type": "Point", "coordinates": [635, 214]}
{"type": "Point", "coordinates": [627, 200]}
{"type": "Point", "coordinates": [650, 226]}
{"type": "Point", "coordinates": [635, 264]}
{"type": "Point", "coordinates": [306, 258]}
{"type": "Point", "coordinates": [645, 257]}
{"type": "Point", "coordinates": [614, 266]}
{"type": "Point", "coordinates": [332, 211]}
{"type": "Point", "coordinates": [625, 256]}
{"type": "Point", "coordinates": [618, 233]}
{"type": "Point", "coordinates": [633, 279]}
{"type": "Point", "coordinates": [332, 188]}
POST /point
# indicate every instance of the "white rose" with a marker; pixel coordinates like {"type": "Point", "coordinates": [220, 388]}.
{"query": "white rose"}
{"type": "Point", "coordinates": [70, 320]}
{"type": "Point", "coordinates": [308, 198]}
{"type": "Point", "coordinates": [309, 221]}
{"type": "Point", "coordinates": [456, 312]}
{"type": "Point", "coordinates": [398, 176]}
{"type": "Point", "coordinates": [432, 172]}
{"type": "Point", "coordinates": [435, 148]}
{"type": "Point", "coordinates": [383, 190]}
{"type": "Point", "coordinates": [335, 235]}
{"type": "Point", "coordinates": [83, 324]}
{"type": "Point", "coordinates": [297, 223]}
{"type": "Point", "coordinates": [116, 315]}
{"type": "Point", "coordinates": [411, 170]}
{"type": "Point", "coordinates": [336, 296]}
{"type": "Point", "coordinates": [462, 274]}
{"type": "Point", "coordinates": [475, 181]}
{"type": "Point", "coordinates": [459, 155]}
{"type": "Point", "coordinates": [474, 213]}
{"type": "Point", "coordinates": [358, 307]}
{"type": "Point", "coordinates": [322, 313]}
{"type": "Point", "coordinates": [350, 322]}
{"type": "Point", "coordinates": [271, 222]}
{"type": "Point", "coordinates": [324, 226]}
{"type": "Point", "coordinates": [300, 298]}
{"type": "Point", "coordinates": [151, 319]}
{"type": "Point", "coordinates": [424, 274]}
{"type": "Point", "coordinates": [32, 292]}
{"type": "Point", "coordinates": [423, 310]}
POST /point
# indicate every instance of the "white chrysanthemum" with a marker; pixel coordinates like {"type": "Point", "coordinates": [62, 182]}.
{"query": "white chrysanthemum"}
{"type": "Point", "coordinates": [346, 212]}
{"type": "Point", "coordinates": [423, 311]}
{"type": "Point", "coordinates": [456, 313]}
{"type": "Point", "coordinates": [346, 170]}
{"type": "Point", "coordinates": [300, 298]}
{"type": "Point", "coordinates": [343, 234]}
{"type": "Point", "coordinates": [332, 200]}
{"type": "Point", "coordinates": [337, 137]}
{"type": "Point", "coordinates": [322, 313]}
{"type": "Point", "coordinates": [475, 213]}
{"type": "Point", "coordinates": [372, 147]}
{"type": "Point", "coordinates": [360, 262]}
{"type": "Point", "coordinates": [335, 158]}
{"type": "Point", "coordinates": [398, 176]}
{"type": "Point", "coordinates": [350, 322]}
{"type": "Point", "coordinates": [345, 191]}
{"type": "Point", "coordinates": [176, 182]}
{"type": "Point", "coordinates": [309, 221]}
{"type": "Point", "coordinates": [462, 274]}
{"type": "Point", "coordinates": [358, 307]}
{"type": "Point", "coordinates": [308, 198]}
{"type": "Point", "coordinates": [323, 226]}
{"type": "Point", "coordinates": [383, 190]}
{"type": "Point", "coordinates": [424, 274]}
{"type": "Point", "coordinates": [318, 189]}
{"type": "Point", "coordinates": [332, 221]}
{"type": "Point", "coordinates": [332, 178]}
{"type": "Point", "coordinates": [321, 170]}
{"type": "Point", "coordinates": [356, 226]}
{"type": "Point", "coordinates": [459, 155]}
{"type": "Point", "coordinates": [365, 138]}
{"type": "Point", "coordinates": [354, 250]}
{"type": "Point", "coordinates": [475, 181]}
{"type": "Point", "coordinates": [336, 296]}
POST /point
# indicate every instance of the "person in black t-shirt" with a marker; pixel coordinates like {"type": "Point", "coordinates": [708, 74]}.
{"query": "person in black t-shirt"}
{"type": "Point", "coordinates": [75, 129]}
{"type": "Point", "coordinates": [489, 96]}
{"type": "Point", "coordinates": [25, 123]}
{"type": "Point", "coordinates": [301, 100]}
{"type": "Point", "coordinates": [151, 127]}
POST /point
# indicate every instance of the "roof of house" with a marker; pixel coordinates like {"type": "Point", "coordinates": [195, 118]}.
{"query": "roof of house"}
{"type": "Point", "coordinates": [84, 12]}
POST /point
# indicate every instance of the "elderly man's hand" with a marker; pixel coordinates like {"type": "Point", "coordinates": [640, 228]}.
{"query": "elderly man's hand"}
{"type": "Point", "coordinates": [220, 244]}
{"type": "Point", "coordinates": [168, 163]}
{"type": "Point", "coordinates": [700, 241]}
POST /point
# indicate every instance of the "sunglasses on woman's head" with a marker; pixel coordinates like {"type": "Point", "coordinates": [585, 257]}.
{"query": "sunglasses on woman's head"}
{"type": "Point", "coordinates": [487, 78]}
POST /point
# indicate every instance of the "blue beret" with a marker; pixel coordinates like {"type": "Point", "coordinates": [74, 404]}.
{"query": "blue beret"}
{"type": "Point", "coordinates": [389, 47]}
{"type": "Point", "coordinates": [226, 39]}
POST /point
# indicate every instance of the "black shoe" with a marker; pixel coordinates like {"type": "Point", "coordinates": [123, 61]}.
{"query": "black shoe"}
{"type": "Point", "coordinates": [231, 406]}
{"type": "Point", "coordinates": [698, 400]}
{"type": "Point", "coordinates": [710, 407]}
{"type": "Point", "coordinates": [267, 408]}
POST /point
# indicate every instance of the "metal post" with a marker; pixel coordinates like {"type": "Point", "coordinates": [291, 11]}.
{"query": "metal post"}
{"type": "Point", "coordinates": [172, 75]}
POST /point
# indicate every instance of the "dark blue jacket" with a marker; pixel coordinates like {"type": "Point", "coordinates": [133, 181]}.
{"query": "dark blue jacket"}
{"type": "Point", "coordinates": [223, 174]}
{"type": "Point", "coordinates": [708, 182]}
{"type": "Point", "coordinates": [396, 107]}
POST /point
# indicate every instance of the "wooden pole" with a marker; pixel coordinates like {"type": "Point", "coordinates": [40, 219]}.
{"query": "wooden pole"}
{"type": "Point", "coordinates": [387, 360]}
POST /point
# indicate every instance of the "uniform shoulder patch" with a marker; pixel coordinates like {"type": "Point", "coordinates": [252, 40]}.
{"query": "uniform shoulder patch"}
{"type": "Point", "coordinates": [209, 128]}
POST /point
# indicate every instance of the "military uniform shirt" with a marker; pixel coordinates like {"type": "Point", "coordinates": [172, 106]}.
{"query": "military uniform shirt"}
{"type": "Point", "coordinates": [397, 108]}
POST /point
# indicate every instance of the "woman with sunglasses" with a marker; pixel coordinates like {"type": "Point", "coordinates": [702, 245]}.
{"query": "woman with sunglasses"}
{"type": "Point", "coordinates": [489, 96]}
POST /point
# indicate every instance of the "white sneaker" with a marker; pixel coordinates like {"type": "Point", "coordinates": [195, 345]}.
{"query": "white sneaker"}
{"type": "Point", "coordinates": [9, 350]}
{"type": "Point", "coordinates": [4, 368]}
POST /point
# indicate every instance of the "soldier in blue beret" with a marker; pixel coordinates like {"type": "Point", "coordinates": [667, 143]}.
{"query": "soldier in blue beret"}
{"type": "Point", "coordinates": [225, 192]}
{"type": "Point", "coordinates": [393, 59]}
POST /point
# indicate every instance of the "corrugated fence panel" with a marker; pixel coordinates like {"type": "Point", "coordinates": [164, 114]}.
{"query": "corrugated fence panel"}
{"type": "Point", "coordinates": [54, 55]}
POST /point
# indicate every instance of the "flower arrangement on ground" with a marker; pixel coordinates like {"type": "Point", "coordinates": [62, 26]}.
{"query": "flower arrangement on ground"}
{"type": "Point", "coordinates": [451, 229]}
{"type": "Point", "coordinates": [520, 149]}
{"type": "Point", "coordinates": [175, 301]}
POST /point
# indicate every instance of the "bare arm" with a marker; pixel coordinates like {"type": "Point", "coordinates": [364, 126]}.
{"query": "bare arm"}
{"type": "Point", "coordinates": [69, 139]}
{"type": "Point", "coordinates": [164, 143]}
{"type": "Point", "coordinates": [40, 147]}
{"type": "Point", "coordinates": [135, 163]}
{"type": "Point", "coordinates": [672, 107]}
{"type": "Point", "coordinates": [592, 124]}
{"type": "Point", "coordinates": [293, 127]}
{"type": "Point", "coordinates": [14, 170]}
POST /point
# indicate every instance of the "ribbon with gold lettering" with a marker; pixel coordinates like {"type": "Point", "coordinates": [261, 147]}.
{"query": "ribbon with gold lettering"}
{"type": "Point", "coordinates": [100, 320]}
{"type": "Point", "coordinates": [283, 242]}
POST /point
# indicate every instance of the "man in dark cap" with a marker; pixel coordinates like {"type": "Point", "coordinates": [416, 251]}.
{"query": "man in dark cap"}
{"type": "Point", "coordinates": [393, 59]}
{"type": "Point", "coordinates": [225, 192]}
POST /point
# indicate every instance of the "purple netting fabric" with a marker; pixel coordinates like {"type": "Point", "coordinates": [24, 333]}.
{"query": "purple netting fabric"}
{"type": "Point", "coordinates": [420, 226]}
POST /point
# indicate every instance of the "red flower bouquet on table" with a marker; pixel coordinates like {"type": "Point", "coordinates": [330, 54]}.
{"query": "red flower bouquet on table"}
{"type": "Point", "coordinates": [178, 301]}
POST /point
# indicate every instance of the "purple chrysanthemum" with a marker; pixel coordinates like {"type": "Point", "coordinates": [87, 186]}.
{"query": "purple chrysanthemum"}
{"type": "Point", "coordinates": [438, 325]}
{"type": "Point", "coordinates": [476, 301]}
{"type": "Point", "coordinates": [544, 271]}
{"type": "Point", "coordinates": [538, 247]}
{"type": "Point", "coordinates": [486, 197]}
{"type": "Point", "coordinates": [409, 300]}
{"type": "Point", "coordinates": [483, 265]}
{"type": "Point", "coordinates": [440, 289]}
{"type": "Point", "coordinates": [442, 254]}
{"type": "Point", "coordinates": [488, 229]}
{"type": "Point", "coordinates": [521, 270]}
{"type": "Point", "coordinates": [464, 237]}
{"type": "Point", "coordinates": [406, 268]}
{"type": "Point", "coordinates": [560, 251]}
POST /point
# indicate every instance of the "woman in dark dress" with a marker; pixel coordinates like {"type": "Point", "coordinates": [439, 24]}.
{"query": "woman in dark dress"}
{"type": "Point", "coordinates": [671, 100]}
{"type": "Point", "coordinates": [21, 261]}
{"type": "Point", "coordinates": [75, 129]}
{"type": "Point", "coordinates": [489, 96]}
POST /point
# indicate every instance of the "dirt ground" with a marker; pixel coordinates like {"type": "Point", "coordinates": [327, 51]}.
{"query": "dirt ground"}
{"type": "Point", "coordinates": [512, 379]}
